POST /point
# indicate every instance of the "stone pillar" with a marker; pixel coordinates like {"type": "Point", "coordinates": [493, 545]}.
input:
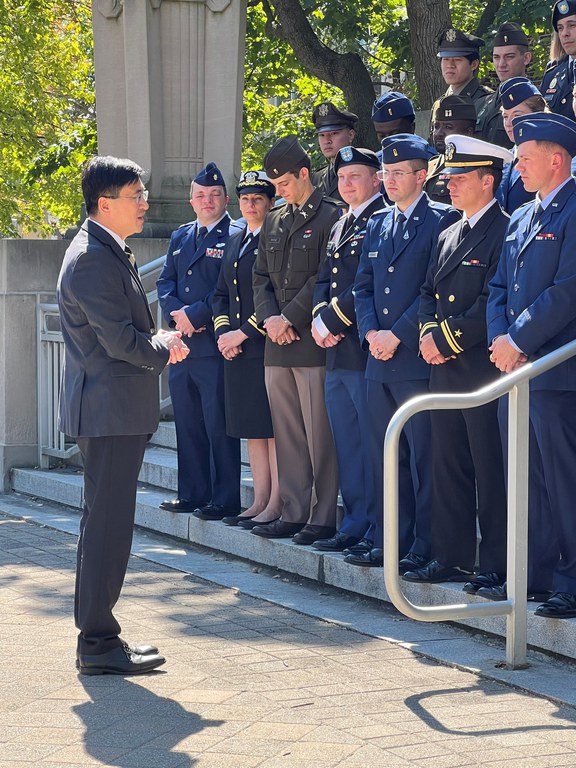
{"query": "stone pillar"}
{"type": "Point", "coordinates": [169, 85]}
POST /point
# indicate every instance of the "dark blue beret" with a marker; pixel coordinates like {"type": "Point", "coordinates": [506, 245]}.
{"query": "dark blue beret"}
{"type": "Point", "coordinates": [515, 90]}
{"type": "Point", "coordinates": [392, 106]}
{"type": "Point", "coordinates": [210, 177]}
{"type": "Point", "coordinates": [356, 156]}
{"type": "Point", "coordinates": [562, 9]}
{"type": "Point", "coordinates": [406, 146]}
{"type": "Point", "coordinates": [546, 126]}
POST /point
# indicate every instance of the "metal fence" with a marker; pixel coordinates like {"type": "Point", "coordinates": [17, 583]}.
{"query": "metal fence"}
{"type": "Point", "coordinates": [50, 345]}
{"type": "Point", "coordinates": [517, 386]}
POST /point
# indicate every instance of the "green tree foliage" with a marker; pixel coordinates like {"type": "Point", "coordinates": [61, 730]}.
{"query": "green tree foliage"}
{"type": "Point", "coordinates": [47, 119]}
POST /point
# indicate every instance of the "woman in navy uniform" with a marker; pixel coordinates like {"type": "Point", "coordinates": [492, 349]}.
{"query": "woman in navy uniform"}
{"type": "Point", "coordinates": [519, 97]}
{"type": "Point", "coordinates": [559, 78]}
{"type": "Point", "coordinates": [241, 342]}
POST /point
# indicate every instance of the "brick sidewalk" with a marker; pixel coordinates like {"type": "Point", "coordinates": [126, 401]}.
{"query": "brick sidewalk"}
{"type": "Point", "coordinates": [246, 683]}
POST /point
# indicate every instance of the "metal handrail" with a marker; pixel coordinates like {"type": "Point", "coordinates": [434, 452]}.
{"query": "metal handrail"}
{"type": "Point", "coordinates": [516, 385]}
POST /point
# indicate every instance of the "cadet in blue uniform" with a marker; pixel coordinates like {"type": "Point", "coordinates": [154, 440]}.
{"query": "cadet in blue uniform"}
{"type": "Point", "coordinates": [510, 56]}
{"type": "Point", "coordinates": [532, 311]}
{"type": "Point", "coordinates": [467, 461]}
{"type": "Point", "coordinates": [241, 343]}
{"type": "Point", "coordinates": [393, 113]}
{"type": "Point", "coordinates": [208, 460]}
{"type": "Point", "coordinates": [334, 329]}
{"type": "Point", "coordinates": [335, 129]}
{"type": "Point", "coordinates": [559, 78]}
{"type": "Point", "coordinates": [395, 256]}
{"type": "Point", "coordinates": [519, 97]}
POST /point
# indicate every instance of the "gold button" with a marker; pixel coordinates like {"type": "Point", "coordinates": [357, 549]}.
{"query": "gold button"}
{"type": "Point", "coordinates": [235, 281]}
{"type": "Point", "coordinates": [334, 285]}
{"type": "Point", "coordinates": [235, 263]}
{"type": "Point", "coordinates": [385, 310]}
{"type": "Point", "coordinates": [334, 269]}
{"type": "Point", "coordinates": [437, 295]}
{"type": "Point", "coordinates": [336, 255]}
{"type": "Point", "coordinates": [238, 317]}
{"type": "Point", "coordinates": [390, 269]}
{"type": "Point", "coordinates": [451, 297]}
{"type": "Point", "coordinates": [386, 290]}
{"type": "Point", "coordinates": [189, 272]}
{"type": "Point", "coordinates": [237, 298]}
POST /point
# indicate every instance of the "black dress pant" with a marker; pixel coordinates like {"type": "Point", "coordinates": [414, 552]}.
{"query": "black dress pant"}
{"type": "Point", "coordinates": [111, 468]}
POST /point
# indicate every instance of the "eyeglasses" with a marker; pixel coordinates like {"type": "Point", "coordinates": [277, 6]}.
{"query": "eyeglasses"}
{"type": "Point", "coordinates": [394, 175]}
{"type": "Point", "coordinates": [139, 197]}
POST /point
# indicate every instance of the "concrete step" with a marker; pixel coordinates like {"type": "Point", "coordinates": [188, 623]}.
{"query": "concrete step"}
{"type": "Point", "coordinates": [165, 437]}
{"type": "Point", "coordinates": [65, 487]}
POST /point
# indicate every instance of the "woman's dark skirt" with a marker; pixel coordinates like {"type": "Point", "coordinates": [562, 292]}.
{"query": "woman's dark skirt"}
{"type": "Point", "coordinates": [245, 398]}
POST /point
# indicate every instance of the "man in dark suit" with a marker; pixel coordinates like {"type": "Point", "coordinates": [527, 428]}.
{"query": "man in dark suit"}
{"type": "Point", "coordinates": [395, 256]}
{"type": "Point", "coordinates": [335, 129]}
{"type": "Point", "coordinates": [531, 312]}
{"type": "Point", "coordinates": [334, 329]}
{"type": "Point", "coordinates": [560, 77]}
{"type": "Point", "coordinates": [467, 463]}
{"type": "Point", "coordinates": [292, 247]}
{"type": "Point", "coordinates": [208, 460]}
{"type": "Point", "coordinates": [109, 401]}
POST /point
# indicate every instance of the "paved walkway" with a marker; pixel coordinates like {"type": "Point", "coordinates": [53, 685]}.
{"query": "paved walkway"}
{"type": "Point", "coordinates": [247, 683]}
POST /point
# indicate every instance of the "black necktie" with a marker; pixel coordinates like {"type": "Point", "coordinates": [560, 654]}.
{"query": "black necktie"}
{"type": "Point", "coordinates": [399, 233]}
{"type": "Point", "coordinates": [348, 222]}
{"type": "Point", "coordinates": [246, 243]}
{"type": "Point", "coordinates": [464, 230]}
{"type": "Point", "coordinates": [130, 255]}
{"type": "Point", "coordinates": [538, 210]}
{"type": "Point", "coordinates": [202, 232]}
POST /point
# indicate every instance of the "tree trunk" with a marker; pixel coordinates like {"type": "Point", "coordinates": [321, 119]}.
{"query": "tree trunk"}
{"type": "Point", "coordinates": [488, 15]}
{"type": "Point", "coordinates": [344, 70]}
{"type": "Point", "coordinates": [427, 20]}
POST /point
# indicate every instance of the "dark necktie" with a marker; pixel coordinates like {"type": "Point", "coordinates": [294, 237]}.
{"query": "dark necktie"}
{"type": "Point", "coordinates": [202, 232]}
{"type": "Point", "coordinates": [246, 243]}
{"type": "Point", "coordinates": [399, 233]}
{"type": "Point", "coordinates": [538, 210]}
{"type": "Point", "coordinates": [348, 222]}
{"type": "Point", "coordinates": [464, 230]}
{"type": "Point", "coordinates": [131, 258]}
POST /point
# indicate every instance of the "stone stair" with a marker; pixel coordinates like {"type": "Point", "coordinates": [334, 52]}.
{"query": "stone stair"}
{"type": "Point", "coordinates": [64, 486]}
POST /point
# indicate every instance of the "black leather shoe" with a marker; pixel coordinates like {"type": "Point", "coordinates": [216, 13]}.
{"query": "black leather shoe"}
{"type": "Point", "coordinates": [180, 505]}
{"type": "Point", "coordinates": [248, 523]}
{"type": "Point", "coordinates": [311, 533]}
{"type": "Point", "coordinates": [337, 543]}
{"type": "Point", "coordinates": [119, 661]}
{"type": "Point", "coordinates": [500, 592]}
{"type": "Point", "coordinates": [235, 519]}
{"type": "Point", "coordinates": [215, 512]}
{"type": "Point", "coordinates": [483, 581]}
{"type": "Point", "coordinates": [141, 650]}
{"type": "Point", "coordinates": [364, 545]}
{"type": "Point", "coordinates": [372, 559]}
{"type": "Point", "coordinates": [562, 605]}
{"type": "Point", "coordinates": [435, 573]}
{"type": "Point", "coordinates": [411, 562]}
{"type": "Point", "coordinates": [277, 530]}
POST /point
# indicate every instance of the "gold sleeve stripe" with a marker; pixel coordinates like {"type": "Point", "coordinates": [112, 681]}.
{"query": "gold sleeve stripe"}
{"type": "Point", "coordinates": [319, 306]}
{"type": "Point", "coordinates": [427, 327]}
{"type": "Point", "coordinates": [221, 320]}
{"type": "Point", "coordinates": [252, 321]}
{"type": "Point", "coordinates": [450, 338]}
{"type": "Point", "coordinates": [341, 315]}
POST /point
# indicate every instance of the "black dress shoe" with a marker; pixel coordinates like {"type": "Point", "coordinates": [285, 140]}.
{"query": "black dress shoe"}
{"type": "Point", "coordinates": [435, 573]}
{"type": "Point", "coordinates": [277, 530]}
{"type": "Point", "coordinates": [248, 523]}
{"type": "Point", "coordinates": [215, 512]}
{"type": "Point", "coordinates": [235, 519]}
{"type": "Point", "coordinates": [119, 661]}
{"type": "Point", "coordinates": [562, 605]}
{"type": "Point", "coordinates": [311, 533]}
{"type": "Point", "coordinates": [180, 505]}
{"type": "Point", "coordinates": [412, 562]}
{"type": "Point", "coordinates": [364, 545]}
{"type": "Point", "coordinates": [483, 581]}
{"type": "Point", "coordinates": [372, 559]}
{"type": "Point", "coordinates": [337, 543]}
{"type": "Point", "coordinates": [500, 592]}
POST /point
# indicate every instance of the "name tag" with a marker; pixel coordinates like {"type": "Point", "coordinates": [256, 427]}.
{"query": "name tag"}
{"type": "Point", "coordinates": [372, 254]}
{"type": "Point", "coordinates": [215, 253]}
{"type": "Point", "coordinates": [274, 239]}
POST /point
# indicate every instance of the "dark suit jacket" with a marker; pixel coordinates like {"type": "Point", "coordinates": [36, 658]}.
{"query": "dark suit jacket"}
{"type": "Point", "coordinates": [112, 359]}
{"type": "Point", "coordinates": [285, 272]}
{"type": "Point", "coordinates": [189, 279]}
{"type": "Point", "coordinates": [557, 89]}
{"type": "Point", "coordinates": [532, 295]}
{"type": "Point", "coordinates": [387, 286]}
{"type": "Point", "coordinates": [233, 301]}
{"type": "Point", "coordinates": [453, 300]}
{"type": "Point", "coordinates": [333, 294]}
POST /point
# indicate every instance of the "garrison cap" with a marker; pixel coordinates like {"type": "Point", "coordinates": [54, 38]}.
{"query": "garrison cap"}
{"type": "Point", "coordinates": [327, 117]}
{"type": "Point", "coordinates": [286, 155]}
{"type": "Point", "coordinates": [467, 153]}
{"type": "Point", "coordinates": [406, 146]}
{"type": "Point", "coordinates": [561, 9]}
{"type": "Point", "coordinates": [392, 105]}
{"type": "Point", "coordinates": [356, 156]}
{"type": "Point", "coordinates": [510, 33]}
{"type": "Point", "coordinates": [454, 42]}
{"type": "Point", "coordinates": [455, 108]}
{"type": "Point", "coordinates": [255, 182]}
{"type": "Point", "coordinates": [515, 90]}
{"type": "Point", "coordinates": [210, 176]}
{"type": "Point", "coordinates": [546, 126]}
